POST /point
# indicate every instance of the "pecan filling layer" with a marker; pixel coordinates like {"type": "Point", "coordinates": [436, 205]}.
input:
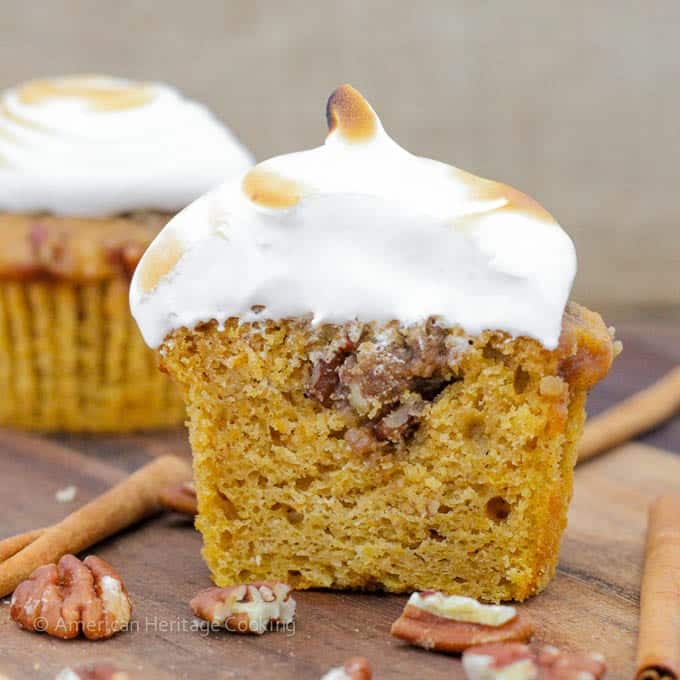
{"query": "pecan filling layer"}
{"type": "Point", "coordinates": [383, 380]}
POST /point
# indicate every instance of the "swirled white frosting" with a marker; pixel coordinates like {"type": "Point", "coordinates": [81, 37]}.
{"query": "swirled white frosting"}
{"type": "Point", "coordinates": [96, 146]}
{"type": "Point", "coordinates": [358, 229]}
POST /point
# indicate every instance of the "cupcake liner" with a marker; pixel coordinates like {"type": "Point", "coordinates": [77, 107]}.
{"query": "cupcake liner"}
{"type": "Point", "coordinates": [72, 359]}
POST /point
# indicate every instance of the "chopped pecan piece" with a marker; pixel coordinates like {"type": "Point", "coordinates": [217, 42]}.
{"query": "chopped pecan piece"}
{"type": "Point", "coordinates": [394, 427]}
{"type": "Point", "coordinates": [180, 498]}
{"type": "Point", "coordinates": [503, 660]}
{"type": "Point", "coordinates": [73, 597]}
{"type": "Point", "coordinates": [398, 424]}
{"type": "Point", "coordinates": [361, 440]}
{"type": "Point", "coordinates": [324, 380]}
{"type": "Point", "coordinates": [429, 352]}
{"type": "Point", "coordinates": [93, 671]}
{"type": "Point", "coordinates": [374, 376]}
{"type": "Point", "coordinates": [247, 608]}
{"type": "Point", "coordinates": [356, 668]}
{"type": "Point", "coordinates": [450, 623]}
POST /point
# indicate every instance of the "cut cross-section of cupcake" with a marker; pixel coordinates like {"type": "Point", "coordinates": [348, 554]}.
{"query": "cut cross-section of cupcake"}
{"type": "Point", "coordinates": [384, 378]}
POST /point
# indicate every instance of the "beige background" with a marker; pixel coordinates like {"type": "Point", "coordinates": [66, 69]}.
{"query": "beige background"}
{"type": "Point", "coordinates": [577, 103]}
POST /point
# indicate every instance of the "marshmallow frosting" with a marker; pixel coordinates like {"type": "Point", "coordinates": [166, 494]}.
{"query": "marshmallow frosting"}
{"type": "Point", "coordinates": [96, 146]}
{"type": "Point", "coordinates": [361, 229]}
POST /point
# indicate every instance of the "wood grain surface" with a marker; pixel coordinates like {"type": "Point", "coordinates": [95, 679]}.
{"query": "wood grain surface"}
{"type": "Point", "coordinates": [591, 605]}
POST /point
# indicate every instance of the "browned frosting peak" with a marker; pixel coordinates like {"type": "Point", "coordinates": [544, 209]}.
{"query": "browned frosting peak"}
{"type": "Point", "coordinates": [270, 190]}
{"type": "Point", "coordinates": [350, 114]}
{"type": "Point", "coordinates": [87, 88]}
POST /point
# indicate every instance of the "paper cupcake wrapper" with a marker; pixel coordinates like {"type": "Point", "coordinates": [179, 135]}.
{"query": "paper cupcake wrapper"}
{"type": "Point", "coordinates": [72, 359]}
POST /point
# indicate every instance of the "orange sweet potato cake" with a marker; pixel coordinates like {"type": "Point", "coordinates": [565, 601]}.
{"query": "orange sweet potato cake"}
{"type": "Point", "coordinates": [384, 379]}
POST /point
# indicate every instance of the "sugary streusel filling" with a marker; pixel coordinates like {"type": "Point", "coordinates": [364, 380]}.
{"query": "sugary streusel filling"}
{"type": "Point", "coordinates": [382, 377]}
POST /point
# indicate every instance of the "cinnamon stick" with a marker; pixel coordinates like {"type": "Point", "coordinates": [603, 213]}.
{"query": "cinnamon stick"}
{"type": "Point", "coordinates": [180, 498]}
{"type": "Point", "coordinates": [658, 655]}
{"type": "Point", "coordinates": [12, 545]}
{"type": "Point", "coordinates": [635, 415]}
{"type": "Point", "coordinates": [130, 501]}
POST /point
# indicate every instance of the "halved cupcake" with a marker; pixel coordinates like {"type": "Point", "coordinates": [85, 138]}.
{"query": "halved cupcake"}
{"type": "Point", "coordinates": [384, 380]}
{"type": "Point", "coordinates": [91, 168]}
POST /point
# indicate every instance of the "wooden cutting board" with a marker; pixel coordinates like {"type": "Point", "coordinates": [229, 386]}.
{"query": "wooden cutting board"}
{"type": "Point", "coordinates": [591, 605]}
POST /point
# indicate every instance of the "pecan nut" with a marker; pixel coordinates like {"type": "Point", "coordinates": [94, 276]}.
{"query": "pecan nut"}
{"type": "Point", "coordinates": [450, 623]}
{"type": "Point", "coordinates": [356, 668]}
{"type": "Point", "coordinates": [519, 661]}
{"type": "Point", "coordinates": [555, 664]}
{"type": "Point", "coordinates": [246, 608]}
{"type": "Point", "coordinates": [73, 597]}
{"type": "Point", "coordinates": [180, 498]}
{"type": "Point", "coordinates": [498, 660]}
{"type": "Point", "coordinates": [93, 671]}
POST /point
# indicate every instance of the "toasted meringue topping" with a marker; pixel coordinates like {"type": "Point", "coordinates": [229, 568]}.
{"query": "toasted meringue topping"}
{"type": "Point", "coordinates": [90, 89]}
{"type": "Point", "coordinates": [159, 261]}
{"type": "Point", "coordinates": [270, 190]}
{"type": "Point", "coordinates": [349, 115]}
{"type": "Point", "coordinates": [361, 229]}
{"type": "Point", "coordinates": [95, 146]}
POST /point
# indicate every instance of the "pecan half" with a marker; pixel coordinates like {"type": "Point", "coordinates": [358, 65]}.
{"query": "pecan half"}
{"type": "Point", "coordinates": [499, 660]}
{"type": "Point", "coordinates": [180, 498]}
{"type": "Point", "coordinates": [356, 668]}
{"type": "Point", "coordinates": [503, 660]}
{"type": "Point", "coordinates": [73, 597]}
{"type": "Point", "coordinates": [554, 664]}
{"type": "Point", "coordinates": [450, 623]}
{"type": "Point", "coordinates": [247, 608]}
{"type": "Point", "coordinates": [93, 671]}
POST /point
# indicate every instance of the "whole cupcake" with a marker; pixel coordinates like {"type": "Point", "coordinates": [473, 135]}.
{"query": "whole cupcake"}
{"type": "Point", "coordinates": [91, 168]}
{"type": "Point", "coordinates": [384, 378]}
